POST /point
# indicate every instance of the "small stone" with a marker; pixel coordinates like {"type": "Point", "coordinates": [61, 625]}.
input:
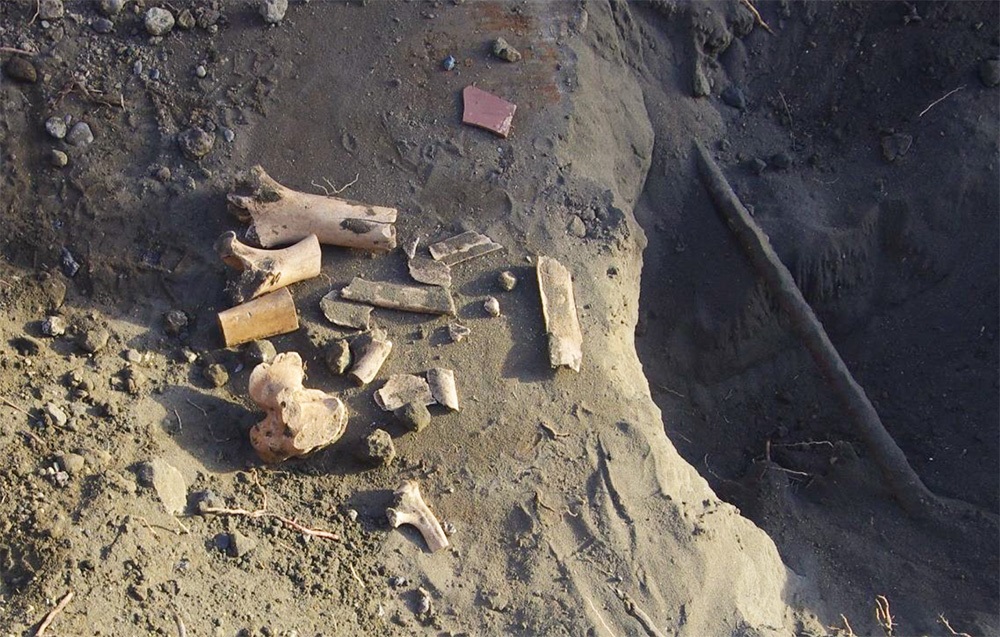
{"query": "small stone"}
{"type": "Point", "coordinates": [54, 291]}
{"type": "Point", "coordinates": [71, 463]}
{"type": "Point", "coordinates": [159, 22]}
{"type": "Point", "coordinates": [200, 71]}
{"type": "Point", "coordinates": [457, 332]}
{"type": "Point", "coordinates": [93, 340]}
{"type": "Point", "coordinates": [414, 416]}
{"type": "Point", "coordinates": [207, 17]}
{"type": "Point", "coordinates": [134, 356]}
{"type": "Point", "coordinates": [576, 227]}
{"type": "Point", "coordinates": [20, 69]}
{"type": "Point", "coordinates": [257, 352]}
{"type": "Point", "coordinates": [240, 544]}
{"type": "Point", "coordinates": [896, 145]}
{"type": "Point", "coordinates": [492, 306]}
{"type": "Point", "coordinates": [134, 381]}
{"type": "Point", "coordinates": [733, 96]}
{"type": "Point", "coordinates": [195, 143]}
{"type": "Point", "coordinates": [185, 19]}
{"type": "Point", "coordinates": [163, 174]}
{"type": "Point", "coordinates": [701, 85]}
{"type": "Point", "coordinates": [780, 161]}
{"type": "Point", "coordinates": [989, 72]}
{"type": "Point", "coordinates": [202, 501]}
{"type": "Point", "coordinates": [57, 158]}
{"type": "Point", "coordinates": [221, 542]}
{"type": "Point", "coordinates": [80, 135]}
{"type": "Point", "coordinates": [54, 326]}
{"type": "Point", "coordinates": [51, 9]}
{"type": "Point", "coordinates": [70, 266]}
{"type": "Point", "coordinates": [338, 356]}
{"type": "Point", "coordinates": [54, 415]}
{"type": "Point", "coordinates": [175, 322]}
{"type": "Point", "coordinates": [448, 64]}
{"type": "Point", "coordinates": [757, 165]}
{"type": "Point", "coordinates": [503, 50]}
{"type": "Point", "coordinates": [228, 134]}
{"type": "Point", "coordinates": [216, 375]}
{"type": "Point", "coordinates": [188, 355]}
{"type": "Point", "coordinates": [381, 451]}
{"type": "Point", "coordinates": [102, 26]}
{"type": "Point", "coordinates": [507, 281]}
{"type": "Point", "coordinates": [167, 481]}
{"type": "Point", "coordinates": [56, 127]}
{"type": "Point", "coordinates": [273, 11]}
{"type": "Point", "coordinates": [110, 8]}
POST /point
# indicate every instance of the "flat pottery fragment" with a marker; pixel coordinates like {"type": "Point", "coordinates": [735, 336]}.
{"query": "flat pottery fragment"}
{"type": "Point", "coordinates": [555, 285]}
{"type": "Point", "coordinates": [463, 247]}
{"type": "Point", "coordinates": [487, 111]}
{"type": "Point", "coordinates": [342, 314]}
{"type": "Point", "coordinates": [430, 271]}
{"type": "Point", "coordinates": [429, 300]}
{"type": "Point", "coordinates": [402, 389]}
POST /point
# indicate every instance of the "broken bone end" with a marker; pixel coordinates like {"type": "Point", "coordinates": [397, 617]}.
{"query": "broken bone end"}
{"type": "Point", "coordinates": [411, 509]}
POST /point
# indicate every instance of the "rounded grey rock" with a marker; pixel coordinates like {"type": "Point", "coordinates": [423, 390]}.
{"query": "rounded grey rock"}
{"type": "Point", "coordinates": [195, 143]}
{"type": "Point", "coordinates": [51, 9]}
{"type": "Point", "coordinates": [159, 22]}
{"type": "Point", "coordinates": [93, 340]}
{"type": "Point", "coordinates": [110, 8]}
{"type": "Point", "coordinates": [273, 11]}
{"type": "Point", "coordinates": [200, 71]}
{"type": "Point", "coordinates": [56, 127]}
{"type": "Point", "coordinates": [258, 352]}
{"type": "Point", "coordinates": [58, 158]}
{"type": "Point", "coordinates": [102, 26]}
{"type": "Point", "coordinates": [71, 463]}
{"type": "Point", "coordinates": [80, 134]}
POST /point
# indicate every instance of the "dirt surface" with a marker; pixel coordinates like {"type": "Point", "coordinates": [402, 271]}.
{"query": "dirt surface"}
{"type": "Point", "coordinates": [697, 477]}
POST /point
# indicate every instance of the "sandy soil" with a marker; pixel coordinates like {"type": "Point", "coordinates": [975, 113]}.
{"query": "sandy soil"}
{"type": "Point", "coordinates": [697, 477]}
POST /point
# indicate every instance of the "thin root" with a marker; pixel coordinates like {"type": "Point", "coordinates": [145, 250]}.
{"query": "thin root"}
{"type": "Point", "coordinates": [940, 99]}
{"type": "Point", "coordinates": [944, 621]}
{"type": "Point", "coordinates": [756, 15]}
{"type": "Point", "coordinates": [333, 190]}
{"type": "Point", "coordinates": [882, 614]}
{"type": "Point", "coordinates": [552, 431]}
{"type": "Point", "coordinates": [52, 614]}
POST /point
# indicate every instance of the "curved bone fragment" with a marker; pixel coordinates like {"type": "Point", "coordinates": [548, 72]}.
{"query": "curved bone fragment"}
{"type": "Point", "coordinates": [282, 215]}
{"type": "Point", "coordinates": [369, 352]}
{"type": "Point", "coordinates": [442, 385]}
{"type": "Point", "coordinates": [268, 315]}
{"type": "Point", "coordinates": [298, 421]}
{"type": "Point", "coordinates": [410, 508]}
{"type": "Point", "coordinates": [262, 271]}
{"type": "Point", "coordinates": [555, 285]}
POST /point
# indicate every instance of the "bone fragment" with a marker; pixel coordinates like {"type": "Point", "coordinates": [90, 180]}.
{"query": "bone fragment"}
{"type": "Point", "coordinates": [344, 314]}
{"type": "Point", "coordinates": [442, 385]}
{"type": "Point", "coordinates": [555, 285]}
{"type": "Point", "coordinates": [410, 508]}
{"type": "Point", "coordinates": [268, 315]}
{"type": "Point", "coordinates": [369, 352]}
{"type": "Point", "coordinates": [402, 389]}
{"type": "Point", "coordinates": [492, 306]}
{"type": "Point", "coordinates": [282, 215]}
{"type": "Point", "coordinates": [428, 299]}
{"type": "Point", "coordinates": [463, 247]}
{"type": "Point", "coordinates": [429, 271]}
{"type": "Point", "coordinates": [299, 420]}
{"type": "Point", "coordinates": [410, 247]}
{"type": "Point", "coordinates": [262, 271]}
{"type": "Point", "coordinates": [457, 332]}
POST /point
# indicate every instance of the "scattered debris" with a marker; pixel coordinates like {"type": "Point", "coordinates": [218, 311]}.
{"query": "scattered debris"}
{"type": "Point", "coordinates": [168, 483]}
{"type": "Point", "coordinates": [263, 317]}
{"type": "Point", "coordinates": [457, 332]}
{"type": "Point", "coordinates": [299, 420]}
{"type": "Point", "coordinates": [343, 314]}
{"type": "Point", "coordinates": [463, 247]}
{"type": "Point", "coordinates": [487, 111]}
{"type": "Point", "coordinates": [492, 306]}
{"type": "Point", "coordinates": [262, 271]}
{"type": "Point", "coordinates": [507, 281]}
{"type": "Point", "coordinates": [441, 382]}
{"type": "Point", "coordinates": [429, 271]}
{"type": "Point", "coordinates": [381, 450]}
{"type": "Point", "coordinates": [411, 509]}
{"type": "Point", "coordinates": [555, 285]}
{"type": "Point", "coordinates": [503, 50]}
{"type": "Point", "coordinates": [338, 356]}
{"type": "Point", "coordinates": [273, 11]}
{"type": "Point", "coordinates": [369, 352]}
{"type": "Point", "coordinates": [281, 215]}
{"type": "Point", "coordinates": [413, 416]}
{"type": "Point", "coordinates": [403, 389]}
{"type": "Point", "coordinates": [429, 300]}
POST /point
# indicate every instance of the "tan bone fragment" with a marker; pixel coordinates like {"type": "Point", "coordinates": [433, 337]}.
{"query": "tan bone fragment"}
{"type": "Point", "coordinates": [369, 352]}
{"type": "Point", "coordinates": [555, 285]}
{"type": "Point", "coordinates": [411, 509]}
{"type": "Point", "coordinates": [268, 315]}
{"type": "Point", "coordinates": [442, 385]}
{"type": "Point", "coordinates": [262, 271]}
{"type": "Point", "coordinates": [463, 247]}
{"type": "Point", "coordinates": [409, 298]}
{"type": "Point", "coordinates": [282, 215]}
{"type": "Point", "coordinates": [298, 420]}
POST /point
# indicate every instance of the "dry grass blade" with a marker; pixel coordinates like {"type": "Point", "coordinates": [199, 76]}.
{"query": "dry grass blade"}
{"type": "Point", "coordinates": [944, 622]}
{"type": "Point", "coordinates": [884, 617]}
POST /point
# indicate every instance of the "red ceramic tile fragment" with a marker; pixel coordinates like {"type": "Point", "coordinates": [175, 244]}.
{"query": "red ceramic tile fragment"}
{"type": "Point", "coordinates": [488, 111]}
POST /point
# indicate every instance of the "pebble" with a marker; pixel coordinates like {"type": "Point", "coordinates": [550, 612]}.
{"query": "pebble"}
{"type": "Point", "coordinates": [448, 63]}
{"type": "Point", "coordinates": [414, 416]}
{"type": "Point", "coordinates": [71, 463]}
{"type": "Point", "coordinates": [110, 8]}
{"type": "Point", "coordinates": [195, 143]}
{"type": "Point", "coordinates": [228, 134]}
{"type": "Point", "coordinates": [503, 50]}
{"type": "Point", "coordinates": [185, 19]}
{"type": "Point", "coordinates": [492, 306]}
{"type": "Point", "coordinates": [273, 11]}
{"type": "Point", "coordinates": [338, 356]}
{"type": "Point", "coordinates": [167, 481]}
{"type": "Point", "coordinates": [102, 26]}
{"type": "Point", "coordinates": [200, 71]}
{"type": "Point", "coordinates": [51, 9]}
{"type": "Point", "coordinates": [20, 69]}
{"type": "Point", "coordinates": [58, 158]}
{"type": "Point", "coordinates": [134, 381]}
{"type": "Point", "coordinates": [54, 415]}
{"type": "Point", "coordinates": [381, 450]}
{"type": "Point", "coordinates": [204, 500]}
{"type": "Point", "coordinates": [54, 291]}
{"type": "Point", "coordinates": [733, 96]}
{"type": "Point", "coordinates": [240, 544]}
{"type": "Point", "coordinates": [457, 332]}
{"type": "Point", "coordinates": [70, 266]}
{"type": "Point", "coordinates": [989, 72]}
{"type": "Point", "coordinates": [701, 85]}
{"type": "Point", "coordinates": [54, 326]}
{"type": "Point", "coordinates": [507, 281]}
{"type": "Point", "coordinates": [780, 161]}
{"type": "Point", "coordinates": [159, 22]}
{"type": "Point", "coordinates": [216, 375]}
{"type": "Point", "coordinates": [757, 165]}
{"type": "Point", "coordinates": [896, 145]}
{"type": "Point", "coordinates": [80, 135]}
{"type": "Point", "coordinates": [163, 174]}
{"type": "Point", "coordinates": [93, 340]}
{"type": "Point", "coordinates": [56, 127]}
{"type": "Point", "coordinates": [576, 227]}
{"type": "Point", "coordinates": [257, 352]}
{"type": "Point", "coordinates": [175, 322]}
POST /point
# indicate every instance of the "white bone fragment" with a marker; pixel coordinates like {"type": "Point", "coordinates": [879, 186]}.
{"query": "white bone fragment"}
{"type": "Point", "coordinates": [463, 247]}
{"type": "Point", "coordinates": [410, 508]}
{"type": "Point", "coordinates": [402, 389]}
{"type": "Point", "coordinates": [555, 285]}
{"type": "Point", "coordinates": [442, 385]}
{"type": "Point", "coordinates": [369, 352]}
{"type": "Point", "coordinates": [262, 271]}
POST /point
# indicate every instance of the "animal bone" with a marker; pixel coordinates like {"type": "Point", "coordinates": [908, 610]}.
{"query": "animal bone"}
{"type": "Point", "coordinates": [410, 508]}
{"type": "Point", "coordinates": [282, 215]}
{"type": "Point", "coordinates": [442, 385]}
{"type": "Point", "coordinates": [426, 299]}
{"type": "Point", "coordinates": [402, 389]}
{"type": "Point", "coordinates": [263, 271]}
{"type": "Point", "coordinates": [429, 271]}
{"type": "Point", "coordinates": [269, 315]}
{"type": "Point", "coordinates": [299, 420]}
{"type": "Point", "coordinates": [463, 247]}
{"type": "Point", "coordinates": [555, 285]}
{"type": "Point", "coordinates": [369, 352]}
{"type": "Point", "coordinates": [343, 314]}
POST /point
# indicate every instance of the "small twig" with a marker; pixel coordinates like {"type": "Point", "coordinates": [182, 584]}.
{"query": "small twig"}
{"type": "Point", "coordinates": [10, 49]}
{"type": "Point", "coordinates": [38, 10]}
{"type": "Point", "coordinates": [184, 529]}
{"type": "Point", "coordinates": [355, 575]}
{"type": "Point", "coordinates": [596, 612]}
{"type": "Point", "coordinates": [847, 627]}
{"type": "Point", "coordinates": [181, 630]}
{"type": "Point", "coordinates": [52, 614]}
{"type": "Point", "coordinates": [320, 186]}
{"type": "Point", "coordinates": [756, 15]}
{"type": "Point", "coordinates": [807, 443]}
{"type": "Point", "coordinates": [788, 112]}
{"type": "Point", "coordinates": [147, 525]}
{"type": "Point", "coordinates": [20, 409]}
{"type": "Point", "coordinates": [668, 390]}
{"type": "Point", "coordinates": [180, 425]}
{"type": "Point", "coordinates": [199, 408]}
{"type": "Point", "coordinates": [552, 431]}
{"type": "Point", "coordinates": [541, 503]}
{"type": "Point", "coordinates": [943, 620]}
{"type": "Point", "coordinates": [336, 190]}
{"type": "Point", "coordinates": [882, 614]}
{"type": "Point", "coordinates": [632, 609]}
{"type": "Point", "coordinates": [940, 99]}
